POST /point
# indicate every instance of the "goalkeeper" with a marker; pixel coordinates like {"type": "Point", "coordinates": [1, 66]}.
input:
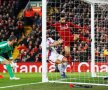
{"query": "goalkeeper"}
{"type": "Point", "coordinates": [6, 48]}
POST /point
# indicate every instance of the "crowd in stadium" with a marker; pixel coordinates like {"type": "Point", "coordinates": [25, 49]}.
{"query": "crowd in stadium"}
{"type": "Point", "coordinates": [9, 24]}
{"type": "Point", "coordinates": [30, 50]}
{"type": "Point", "coordinates": [75, 11]}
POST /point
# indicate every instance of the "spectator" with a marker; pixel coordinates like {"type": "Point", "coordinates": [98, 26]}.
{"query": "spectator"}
{"type": "Point", "coordinates": [33, 41]}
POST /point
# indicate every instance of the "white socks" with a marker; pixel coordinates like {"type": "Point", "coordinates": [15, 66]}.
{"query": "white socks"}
{"type": "Point", "coordinates": [62, 67]}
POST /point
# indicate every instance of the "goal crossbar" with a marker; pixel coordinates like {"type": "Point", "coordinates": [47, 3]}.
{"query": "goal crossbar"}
{"type": "Point", "coordinates": [96, 1]}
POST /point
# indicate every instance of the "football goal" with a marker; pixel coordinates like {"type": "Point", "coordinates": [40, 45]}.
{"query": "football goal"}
{"type": "Point", "coordinates": [75, 36]}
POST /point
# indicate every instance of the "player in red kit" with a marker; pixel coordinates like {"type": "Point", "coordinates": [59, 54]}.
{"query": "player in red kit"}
{"type": "Point", "coordinates": [64, 30]}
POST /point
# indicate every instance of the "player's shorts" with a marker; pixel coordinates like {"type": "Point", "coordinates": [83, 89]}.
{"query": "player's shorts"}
{"type": "Point", "coordinates": [67, 41]}
{"type": "Point", "coordinates": [55, 56]}
{"type": "Point", "coordinates": [66, 44]}
{"type": "Point", "coordinates": [3, 57]}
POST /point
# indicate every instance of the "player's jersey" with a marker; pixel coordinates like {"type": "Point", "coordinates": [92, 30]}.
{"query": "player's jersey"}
{"type": "Point", "coordinates": [50, 49]}
{"type": "Point", "coordinates": [52, 54]}
{"type": "Point", "coordinates": [65, 33]}
{"type": "Point", "coordinates": [6, 49]}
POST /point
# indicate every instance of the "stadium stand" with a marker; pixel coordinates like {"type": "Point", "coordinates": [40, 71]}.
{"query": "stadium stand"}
{"type": "Point", "coordinates": [29, 48]}
{"type": "Point", "coordinates": [9, 23]}
{"type": "Point", "coordinates": [74, 12]}
{"type": "Point", "coordinates": [80, 51]}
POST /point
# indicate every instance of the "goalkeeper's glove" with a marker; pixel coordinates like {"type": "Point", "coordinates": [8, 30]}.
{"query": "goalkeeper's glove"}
{"type": "Point", "coordinates": [13, 64]}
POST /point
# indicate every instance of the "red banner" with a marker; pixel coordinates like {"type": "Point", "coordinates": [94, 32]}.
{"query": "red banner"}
{"type": "Point", "coordinates": [37, 10]}
{"type": "Point", "coordinates": [74, 67]}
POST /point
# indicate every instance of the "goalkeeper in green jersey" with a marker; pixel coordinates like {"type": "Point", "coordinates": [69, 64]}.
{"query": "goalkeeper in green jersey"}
{"type": "Point", "coordinates": [6, 48]}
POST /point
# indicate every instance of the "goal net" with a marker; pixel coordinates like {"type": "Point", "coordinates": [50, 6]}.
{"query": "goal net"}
{"type": "Point", "coordinates": [76, 32]}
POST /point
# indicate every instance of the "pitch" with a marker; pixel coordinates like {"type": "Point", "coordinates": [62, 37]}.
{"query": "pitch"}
{"type": "Point", "coordinates": [32, 81]}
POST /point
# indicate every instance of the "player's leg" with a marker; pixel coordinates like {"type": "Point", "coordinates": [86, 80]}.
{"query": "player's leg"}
{"type": "Point", "coordinates": [54, 58]}
{"type": "Point", "coordinates": [62, 64]}
{"type": "Point", "coordinates": [68, 56]}
{"type": "Point", "coordinates": [85, 39]}
{"type": "Point", "coordinates": [60, 68]}
{"type": "Point", "coordinates": [1, 75]}
{"type": "Point", "coordinates": [9, 68]}
{"type": "Point", "coordinates": [58, 59]}
{"type": "Point", "coordinates": [67, 50]}
{"type": "Point", "coordinates": [67, 53]}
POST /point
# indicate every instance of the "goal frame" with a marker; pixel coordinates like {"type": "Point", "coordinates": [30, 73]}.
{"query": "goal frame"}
{"type": "Point", "coordinates": [92, 3]}
{"type": "Point", "coordinates": [44, 28]}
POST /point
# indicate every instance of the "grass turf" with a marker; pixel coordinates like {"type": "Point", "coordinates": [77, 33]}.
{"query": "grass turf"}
{"type": "Point", "coordinates": [34, 78]}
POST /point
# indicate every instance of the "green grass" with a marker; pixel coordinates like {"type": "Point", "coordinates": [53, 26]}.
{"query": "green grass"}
{"type": "Point", "coordinates": [79, 77]}
{"type": "Point", "coordinates": [34, 78]}
{"type": "Point", "coordinates": [25, 78]}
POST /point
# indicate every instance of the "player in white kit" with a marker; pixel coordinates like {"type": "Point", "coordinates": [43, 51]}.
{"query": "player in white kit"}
{"type": "Point", "coordinates": [54, 56]}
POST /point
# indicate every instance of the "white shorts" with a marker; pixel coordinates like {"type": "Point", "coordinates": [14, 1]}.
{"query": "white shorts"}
{"type": "Point", "coordinates": [55, 56]}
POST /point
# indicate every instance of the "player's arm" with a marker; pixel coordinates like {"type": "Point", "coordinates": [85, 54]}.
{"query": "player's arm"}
{"type": "Point", "coordinates": [76, 26]}
{"type": "Point", "coordinates": [52, 24]}
{"type": "Point", "coordinates": [56, 43]}
{"type": "Point", "coordinates": [10, 55]}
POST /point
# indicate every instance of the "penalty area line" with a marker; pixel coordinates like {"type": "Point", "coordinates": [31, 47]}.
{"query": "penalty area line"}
{"type": "Point", "coordinates": [21, 85]}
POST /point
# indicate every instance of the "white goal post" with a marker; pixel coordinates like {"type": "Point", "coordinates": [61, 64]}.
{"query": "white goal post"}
{"type": "Point", "coordinates": [102, 4]}
{"type": "Point", "coordinates": [44, 63]}
{"type": "Point", "coordinates": [93, 73]}
{"type": "Point", "coordinates": [93, 41]}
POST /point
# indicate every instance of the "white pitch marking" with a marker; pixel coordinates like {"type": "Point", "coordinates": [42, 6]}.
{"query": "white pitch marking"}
{"type": "Point", "coordinates": [20, 85]}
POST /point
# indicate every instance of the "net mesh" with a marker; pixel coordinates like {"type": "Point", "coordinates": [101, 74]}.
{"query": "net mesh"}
{"type": "Point", "coordinates": [76, 33]}
{"type": "Point", "coordinates": [101, 30]}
